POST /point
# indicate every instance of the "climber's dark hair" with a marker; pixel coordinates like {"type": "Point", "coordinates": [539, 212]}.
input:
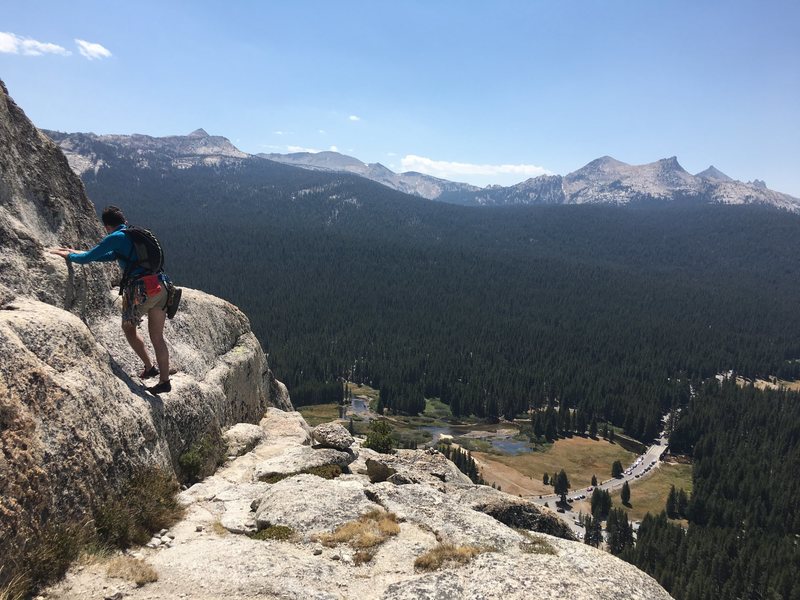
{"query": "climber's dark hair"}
{"type": "Point", "coordinates": [112, 216]}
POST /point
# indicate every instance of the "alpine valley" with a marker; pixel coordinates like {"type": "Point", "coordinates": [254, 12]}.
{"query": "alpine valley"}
{"type": "Point", "coordinates": [607, 298]}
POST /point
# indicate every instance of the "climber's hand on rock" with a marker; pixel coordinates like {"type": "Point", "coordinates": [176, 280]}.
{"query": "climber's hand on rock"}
{"type": "Point", "coordinates": [62, 252]}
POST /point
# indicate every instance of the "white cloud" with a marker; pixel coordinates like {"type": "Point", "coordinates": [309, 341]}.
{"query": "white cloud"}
{"type": "Point", "coordinates": [283, 132]}
{"type": "Point", "coordinates": [322, 131]}
{"type": "Point", "coordinates": [354, 118]}
{"type": "Point", "coordinates": [301, 149]}
{"type": "Point", "coordinates": [13, 44]}
{"type": "Point", "coordinates": [333, 149]}
{"type": "Point", "coordinates": [448, 169]}
{"type": "Point", "coordinates": [91, 50]}
{"type": "Point", "coordinates": [391, 154]}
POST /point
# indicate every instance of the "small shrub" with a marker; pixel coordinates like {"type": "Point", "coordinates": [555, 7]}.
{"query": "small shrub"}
{"type": "Point", "coordinates": [132, 569]}
{"type": "Point", "coordinates": [369, 531]}
{"type": "Point", "coordinates": [147, 504]}
{"type": "Point", "coordinates": [379, 437]}
{"type": "Point", "coordinates": [535, 544]}
{"type": "Point", "coordinates": [325, 471]}
{"type": "Point", "coordinates": [273, 532]}
{"type": "Point", "coordinates": [203, 457]}
{"type": "Point", "coordinates": [219, 528]}
{"type": "Point", "coordinates": [363, 556]}
{"type": "Point", "coordinates": [443, 553]}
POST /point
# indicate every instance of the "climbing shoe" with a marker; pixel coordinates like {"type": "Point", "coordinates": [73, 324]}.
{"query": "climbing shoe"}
{"type": "Point", "coordinates": [162, 387]}
{"type": "Point", "coordinates": [174, 301]}
{"type": "Point", "coordinates": [148, 373]}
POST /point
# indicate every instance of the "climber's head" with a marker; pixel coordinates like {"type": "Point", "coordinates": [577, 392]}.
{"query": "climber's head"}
{"type": "Point", "coordinates": [112, 217]}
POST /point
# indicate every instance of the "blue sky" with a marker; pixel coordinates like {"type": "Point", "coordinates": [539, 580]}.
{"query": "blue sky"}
{"type": "Point", "coordinates": [472, 91]}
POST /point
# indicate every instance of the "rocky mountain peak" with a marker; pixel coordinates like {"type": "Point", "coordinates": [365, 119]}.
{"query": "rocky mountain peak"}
{"type": "Point", "coordinates": [713, 174]}
{"type": "Point", "coordinates": [671, 164]}
{"type": "Point", "coordinates": [199, 133]}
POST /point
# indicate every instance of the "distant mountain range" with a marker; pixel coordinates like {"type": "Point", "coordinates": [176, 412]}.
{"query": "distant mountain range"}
{"type": "Point", "coordinates": [409, 182]}
{"type": "Point", "coordinates": [602, 181]}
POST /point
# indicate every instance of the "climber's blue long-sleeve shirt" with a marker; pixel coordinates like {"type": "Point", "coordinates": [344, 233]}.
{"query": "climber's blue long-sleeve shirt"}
{"type": "Point", "coordinates": [116, 245]}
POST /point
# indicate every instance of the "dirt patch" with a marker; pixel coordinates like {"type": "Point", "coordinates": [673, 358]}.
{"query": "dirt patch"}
{"type": "Point", "coordinates": [508, 478]}
{"type": "Point", "coordinates": [580, 457]}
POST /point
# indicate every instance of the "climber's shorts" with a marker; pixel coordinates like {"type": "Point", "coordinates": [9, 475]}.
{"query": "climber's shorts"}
{"type": "Point", "coordinates": [139, 297]}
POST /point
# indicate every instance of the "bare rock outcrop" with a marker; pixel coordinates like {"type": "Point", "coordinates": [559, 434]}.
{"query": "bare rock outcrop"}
{"type": "Point", "coordinates": [219, 550]}
{"type": "Point", "coordinates": [74, 423]}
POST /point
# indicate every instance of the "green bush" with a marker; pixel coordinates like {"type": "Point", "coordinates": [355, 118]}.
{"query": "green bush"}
{"type": "Point", "coordinates": [203, 457]}
{"type": "Point", "coordinates": [379, 437]}
{"type": "Point", "coordinates": [146, 504]}
{"type": "Point", "coordinates": [325, 471]}
{"type": "Point", "coordinates": [273, 532]}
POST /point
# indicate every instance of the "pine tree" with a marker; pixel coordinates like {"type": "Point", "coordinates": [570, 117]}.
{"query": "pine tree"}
{"type": "Point", "coordinates": [594, 531]}
{"type": "Point", "coordinates": [682, 504]}
{"type": "Point", "coordinates": [601, 503]}
{"type": "Point", "coordinates": [672, 503]}
{"type": "Point", "coordinates": [546, 479]}
{"type": "Point", "coordinates": [616, 469]}
{"type": "Point", "coordinates": [594, 480]}
{"type": "Point", "coordinates": [562, 485]}
{"type": "Point", "coordinates": [626, 494]}
{"type": "Point", "coordinates": [620, 533]}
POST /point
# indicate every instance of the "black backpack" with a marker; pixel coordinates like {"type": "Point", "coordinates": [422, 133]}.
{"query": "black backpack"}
{"type": "Point", "coordinates": [148, 253]}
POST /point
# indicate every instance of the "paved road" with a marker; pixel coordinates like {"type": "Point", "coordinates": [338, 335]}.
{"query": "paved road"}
{"type": "Point", "coordinates": [641, 467]}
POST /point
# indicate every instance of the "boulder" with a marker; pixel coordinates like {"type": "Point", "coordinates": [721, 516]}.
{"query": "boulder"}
{"type": "Point", "coordinates": [309, 504]}
{"type": "Point", "coordinates": [378, 470]}
{"type": "Point", "coordinates": [297, 459]}
{"type": "Point", "coordinates": [332, 435]}
{"type": "Point", "coordinates": [513, 511]}
{"type": "Point", "coordinates": [413, 466]}
{"type": "Point", "coordinates": [242, 438]}
{"type": "Point", "coordinates": [579, 573]}
{"type": "Point", "coordinates": [444, 515]}
{"type": "Point", "coordinates": [291, 427]}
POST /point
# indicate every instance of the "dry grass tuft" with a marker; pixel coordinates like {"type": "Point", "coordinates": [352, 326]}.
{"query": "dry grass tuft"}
{"type": "Point", "coordinates": [219, 528]}
{"type": "Point", "coordinates": [132, 569]}
{"type": "Point", "coordinates": [15, 589]}
{"type": "Point", "coordinates": [536, 544]}
{"type": "Point", "coordinates": [363, 556]}
{"type": "Point", "coordinates": [369, 531]}
{"type": "Point", "coordinates": [443, 553]}
{"type": "Point", "coordinates": [147, 504]}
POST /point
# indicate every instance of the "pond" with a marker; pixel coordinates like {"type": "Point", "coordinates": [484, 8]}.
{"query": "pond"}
{"type": "Point", "coordinates": [506, 444]}
{"type": "Point", "coordinates": [360, 405]}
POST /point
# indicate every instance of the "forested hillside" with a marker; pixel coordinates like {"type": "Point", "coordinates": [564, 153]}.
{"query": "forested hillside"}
{"type": "Point", "coordinates": [493, 309]}
{"type": "Point", "coordinates": [742, 540]}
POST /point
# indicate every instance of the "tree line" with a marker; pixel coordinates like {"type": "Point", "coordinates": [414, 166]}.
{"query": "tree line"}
{"type": "Point", "coordinates": [603, 311]}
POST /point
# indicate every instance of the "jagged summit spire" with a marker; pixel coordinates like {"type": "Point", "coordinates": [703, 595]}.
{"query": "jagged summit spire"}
{"type": "Point", "coordinates": [199, 133]}
{"type": "Point", "coordinates": [713, 173]}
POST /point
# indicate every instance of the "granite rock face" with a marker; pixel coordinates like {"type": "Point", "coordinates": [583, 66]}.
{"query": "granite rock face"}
{"type": "Point", "coordinates": [75, 422]}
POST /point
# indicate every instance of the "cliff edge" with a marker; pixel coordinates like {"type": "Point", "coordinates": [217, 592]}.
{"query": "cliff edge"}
{"type": "Point", "coordinates": [74, 424]}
